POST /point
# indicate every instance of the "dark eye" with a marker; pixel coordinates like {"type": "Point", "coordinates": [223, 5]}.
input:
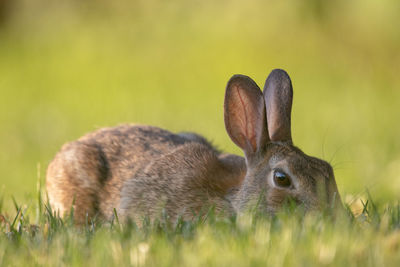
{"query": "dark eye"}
{"type": "Point", "coordinates": [281, 179]}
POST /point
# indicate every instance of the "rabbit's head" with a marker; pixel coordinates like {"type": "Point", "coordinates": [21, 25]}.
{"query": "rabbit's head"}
{"type": "Point", "coordinates": [277, 171]}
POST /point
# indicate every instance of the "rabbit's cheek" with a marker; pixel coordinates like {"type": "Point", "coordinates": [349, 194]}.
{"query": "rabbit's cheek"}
{"type": "Point", "coordinates": [251, 195]}
{"type": "Point", "coordinates": [276, 198]}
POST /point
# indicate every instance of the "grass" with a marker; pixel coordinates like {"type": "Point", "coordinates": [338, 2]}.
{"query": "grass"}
{"type": "Point", "coordinates": [70, 67]}
{"type": "Point", "coordinates": [368, 234]}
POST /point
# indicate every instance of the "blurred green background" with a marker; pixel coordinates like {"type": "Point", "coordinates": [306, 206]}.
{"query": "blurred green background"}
{"type": "Point", "coordinates": [69, 67]}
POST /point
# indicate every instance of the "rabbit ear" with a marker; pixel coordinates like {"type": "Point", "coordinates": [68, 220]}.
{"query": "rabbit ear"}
{"type": "Point", "coordinates": [244, 116]}
{"type": "Point", "coordinates": [278, 94]}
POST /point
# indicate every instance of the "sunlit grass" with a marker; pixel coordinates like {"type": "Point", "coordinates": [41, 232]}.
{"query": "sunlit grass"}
{"type": "Point", "coordinates": [369, 237]}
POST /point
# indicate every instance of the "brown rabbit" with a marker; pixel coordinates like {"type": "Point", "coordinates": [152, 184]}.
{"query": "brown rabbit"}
{"type": "Point", "coordinates": [143, 170]}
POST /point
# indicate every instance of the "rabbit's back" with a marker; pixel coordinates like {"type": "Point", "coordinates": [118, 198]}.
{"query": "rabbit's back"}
{"type": "Point", "coordinates": [127, 145]}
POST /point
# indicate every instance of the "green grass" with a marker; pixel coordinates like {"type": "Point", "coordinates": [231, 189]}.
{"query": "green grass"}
{"type": "Point", "coordinates": [369, 238]}
{"type": "Point", "coordinates": [68, 67]}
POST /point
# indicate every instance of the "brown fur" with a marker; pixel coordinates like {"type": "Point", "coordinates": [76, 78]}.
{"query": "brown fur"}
{"type": "Point", "coordinates": [146, 171]}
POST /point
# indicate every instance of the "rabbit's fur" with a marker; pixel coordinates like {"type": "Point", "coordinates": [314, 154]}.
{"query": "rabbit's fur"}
{"type": "Point", "coordinates": [145, 171]}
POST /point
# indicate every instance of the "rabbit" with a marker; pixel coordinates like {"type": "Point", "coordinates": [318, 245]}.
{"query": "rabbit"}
{"type": "Point", "coordinates": [144, 171]}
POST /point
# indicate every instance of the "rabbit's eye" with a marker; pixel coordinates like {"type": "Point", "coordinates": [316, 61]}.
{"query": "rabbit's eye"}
{"type": "Point", "coordinates": [282, 179]}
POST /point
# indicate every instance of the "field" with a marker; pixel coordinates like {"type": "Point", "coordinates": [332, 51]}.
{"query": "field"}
{"type": "Point", "coordinates": [69, 67]}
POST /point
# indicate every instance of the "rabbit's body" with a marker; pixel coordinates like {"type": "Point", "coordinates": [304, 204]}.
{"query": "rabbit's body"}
{"type": "Point", "coordinates": [145, 171]}
{"type": "Point", "coordinates": [141, 171]}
